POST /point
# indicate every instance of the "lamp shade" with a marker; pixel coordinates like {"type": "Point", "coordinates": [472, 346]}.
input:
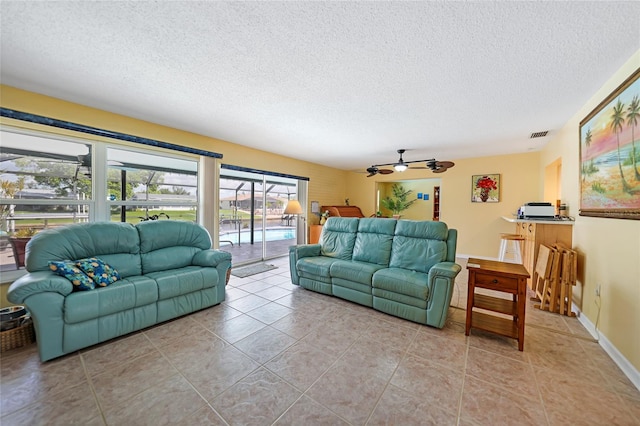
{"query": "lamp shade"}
{"type": "Point", "coordinates": [293, 207]}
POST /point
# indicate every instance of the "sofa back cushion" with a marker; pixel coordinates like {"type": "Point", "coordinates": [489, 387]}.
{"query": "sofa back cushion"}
{"type": "Point", "coordinates": [338, 237]}
{"type": "Point", "coordinates": [418, 245]}
{"type": "Point", "coordinates": [117, 244]}
{"type": "Point", "coordinates": [373, 241]}
{"type": "Point", "coordinates": [170, 244]}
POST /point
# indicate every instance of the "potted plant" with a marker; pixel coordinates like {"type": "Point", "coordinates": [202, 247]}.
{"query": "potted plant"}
{"type": "Point", "coordinates": [399, 202]}
{"type": "Point", "coordinates": [19, 240]}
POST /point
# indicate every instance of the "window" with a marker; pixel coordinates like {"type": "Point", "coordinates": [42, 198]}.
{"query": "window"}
{"type": "Point", "coordinates": [44, 182]}
{"type": "Point", "coordinates": [48, 180]}
{"type": "Point", "coordinates": [142, 186]}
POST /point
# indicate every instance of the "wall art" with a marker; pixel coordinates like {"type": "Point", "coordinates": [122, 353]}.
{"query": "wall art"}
{"type": "Point", "coordinates": [610, 155]}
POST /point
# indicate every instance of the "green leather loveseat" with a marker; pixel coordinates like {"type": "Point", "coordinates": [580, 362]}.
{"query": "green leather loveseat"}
{"type": "Point", "coordinates": [404, 268]}
{"type": "Point", "coordinates": [167, 269]}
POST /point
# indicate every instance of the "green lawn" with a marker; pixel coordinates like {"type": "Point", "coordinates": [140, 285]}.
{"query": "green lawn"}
{"type": "Point", "coordinates": [136, 216]}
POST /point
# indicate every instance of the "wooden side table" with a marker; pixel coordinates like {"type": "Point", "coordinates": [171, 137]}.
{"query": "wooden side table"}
{"type": "Point", "coordinates": [498, 276]}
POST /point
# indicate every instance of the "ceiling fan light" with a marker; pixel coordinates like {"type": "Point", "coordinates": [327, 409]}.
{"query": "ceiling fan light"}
{"type": "Point", "coordinates": [400, 167]}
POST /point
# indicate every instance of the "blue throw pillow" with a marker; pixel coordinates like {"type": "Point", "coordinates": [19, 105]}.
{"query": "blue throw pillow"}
{"type": "Point", "coordinates": [101, 273]}
{"type": "Point", "coordinates": [70, 271]}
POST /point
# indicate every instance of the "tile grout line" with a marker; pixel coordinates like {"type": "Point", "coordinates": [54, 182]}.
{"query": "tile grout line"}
{"type": "Point", "coordinates": [92, 388]}
{"type": "Point", "coordinates": [464, 378]}
{"type": "Point", "coordinates": [178, 372]}
{"type": "Point", "coordinates": [404, 356]}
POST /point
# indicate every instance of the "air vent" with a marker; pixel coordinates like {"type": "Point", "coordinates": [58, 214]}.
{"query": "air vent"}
{"type": "Point", "coordinates": [538, 134]}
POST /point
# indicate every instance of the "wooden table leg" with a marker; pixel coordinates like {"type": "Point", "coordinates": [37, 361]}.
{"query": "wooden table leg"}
{"type": "Point", "coordinates": [522, 305]}
{"type": "Point", "coordinates": [470, 293]}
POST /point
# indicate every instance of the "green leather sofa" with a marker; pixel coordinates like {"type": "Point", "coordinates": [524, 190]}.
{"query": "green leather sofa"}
{"type": "Point", "coordinates": [404, 268]}
{"type": "Point", "coordinates": [167, 269]}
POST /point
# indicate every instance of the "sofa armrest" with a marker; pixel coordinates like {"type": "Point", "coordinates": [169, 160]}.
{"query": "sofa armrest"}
{"type": "Point", "coordinates": [298, 252]}
{"type": "Point", "coordinates": [38, 282]}
{"type": "Point", "coordinates": [305, 250]}
{"type": "Point", "coordinates": [210, 258]}
{"type": "Point", "coordinates": [219, 259]}
{"type": "Point", "coordinates": [444, 269]}
{"type": "Point", "coordinates": [441, 282]}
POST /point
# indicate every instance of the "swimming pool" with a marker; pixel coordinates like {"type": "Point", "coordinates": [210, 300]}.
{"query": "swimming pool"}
{"type": "Point", "coordinates": [272, 234]}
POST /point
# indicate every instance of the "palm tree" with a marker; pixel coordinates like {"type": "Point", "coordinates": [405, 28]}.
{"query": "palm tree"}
{"type": "Point", "coordinates": [400, 201]}
{"type": "Point", "coordinates": [633, 112]}
{"type": "Point", "coordinates": [587, 143]}
{"type": "Point", "coordinates": [617, 120]}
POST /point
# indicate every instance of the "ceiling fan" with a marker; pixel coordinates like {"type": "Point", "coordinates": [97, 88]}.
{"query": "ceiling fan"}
{"type": "Point", "coordinates": [401, 165]}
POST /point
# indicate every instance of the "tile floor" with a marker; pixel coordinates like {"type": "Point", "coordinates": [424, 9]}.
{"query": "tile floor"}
{"type": "Point", "coordinates": [274, 353]}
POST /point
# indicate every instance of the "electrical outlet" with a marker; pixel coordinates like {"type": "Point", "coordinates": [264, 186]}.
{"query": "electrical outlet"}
{"type": "Point", "coordinates": [598, 290]}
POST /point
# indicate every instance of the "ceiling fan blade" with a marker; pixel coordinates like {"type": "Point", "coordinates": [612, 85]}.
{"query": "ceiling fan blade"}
{"type": "Point", "coordinates": [440, 170]}
{"type": "Point", "coordinates": [420, 168]}
{"type": "Point", "coordinates": [445, 164]}
{"type": "Point", "coordinates": [385, 171]}
{"type": "Point", "coordinates": [371, 174]}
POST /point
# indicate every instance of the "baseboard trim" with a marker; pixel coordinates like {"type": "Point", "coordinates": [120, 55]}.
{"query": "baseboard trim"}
{"type": "Point", "coordinates": [467, 256]}
{"type": "Point", "coordinates": [627, 368]}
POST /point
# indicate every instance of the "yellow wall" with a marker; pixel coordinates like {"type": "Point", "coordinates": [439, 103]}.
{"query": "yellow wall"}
{"type": "Point", "coordinates": [609, 248]}
{"type": "Point", "coordinates": [326, 185]}
{"type": "Point", "coordinates": [479, 224]}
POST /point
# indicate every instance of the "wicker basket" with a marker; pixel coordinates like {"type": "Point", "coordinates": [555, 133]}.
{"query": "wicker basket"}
{"type": "Point", "coordinates": [17, 337]}
{"type": "Point", "coordinates": [228, 276]}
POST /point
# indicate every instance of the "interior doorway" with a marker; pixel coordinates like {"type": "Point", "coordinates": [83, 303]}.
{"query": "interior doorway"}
{"type": "Point", "coordinates": [553, 183]}
{"type": "Point", "coordinates": [423, 191]}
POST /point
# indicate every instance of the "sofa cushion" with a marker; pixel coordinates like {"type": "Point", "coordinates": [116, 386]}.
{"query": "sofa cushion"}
{"type": "Point", "coordinates": [402, 299]}
{"type": "Point", "coordinates": [69, 270]}
{"type": "Point", "coordinates": [99, 271]}
{"type": "Point", "coordinates": [120, 296]}
{"type": "Point", "coordinates": [80, 240]}
{"type": "Point", "coordinates": [418, 245]}
{"type": "Point", "coordinates": [315, 267]}
{"type": "Point", "coordinates": [359, 272]}
{"type": "Point", "coordinates": [167, 258]}
{"type": "Point", "coordinates": [126, 264]}
{"type": "Point", "coordinates": [170, 244]}
{"type": "Point", "coordinates": [181, 281]}
{"type": "Point", "coordinates": [403, 281]}
{"type": "Point", "coordinates": [338, 237]}
{"type": "Point", "coordinates": [373, 242]}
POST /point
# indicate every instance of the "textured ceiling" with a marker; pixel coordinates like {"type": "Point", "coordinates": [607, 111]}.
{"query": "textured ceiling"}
{"type": "Point", "coordinates": [343, 84]}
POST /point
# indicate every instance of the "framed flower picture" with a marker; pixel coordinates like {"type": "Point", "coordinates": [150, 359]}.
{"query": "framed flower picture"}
{"type": "Point", "coordinates": [485, 188]}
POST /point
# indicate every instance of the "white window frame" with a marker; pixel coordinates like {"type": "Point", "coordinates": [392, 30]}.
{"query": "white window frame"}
{"type": "Point", "coordinates": [99, 205]}
{"type": "Point", "coordinates": [108, 204]}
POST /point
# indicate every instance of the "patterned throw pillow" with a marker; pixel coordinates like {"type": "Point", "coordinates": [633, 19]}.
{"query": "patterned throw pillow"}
{"type": "Point", "coordinates": [101, 273]}
{"type": "Point", "coordinates": [70, 271]}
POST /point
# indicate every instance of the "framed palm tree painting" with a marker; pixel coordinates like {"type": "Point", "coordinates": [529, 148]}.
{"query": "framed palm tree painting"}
{"type": "Point", "coordinates": [610, 155]}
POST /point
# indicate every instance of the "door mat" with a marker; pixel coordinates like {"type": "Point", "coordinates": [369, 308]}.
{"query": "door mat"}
{"type": "Point", "coordinates": [257, 268]}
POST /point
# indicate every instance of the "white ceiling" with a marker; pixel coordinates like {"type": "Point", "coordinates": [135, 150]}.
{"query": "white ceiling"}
{"type": "Point", "coordinates": [343, 84]}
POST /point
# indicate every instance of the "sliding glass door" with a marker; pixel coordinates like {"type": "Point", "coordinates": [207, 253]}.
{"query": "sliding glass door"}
{"type": "Point", "coordinates": [253, 226]}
